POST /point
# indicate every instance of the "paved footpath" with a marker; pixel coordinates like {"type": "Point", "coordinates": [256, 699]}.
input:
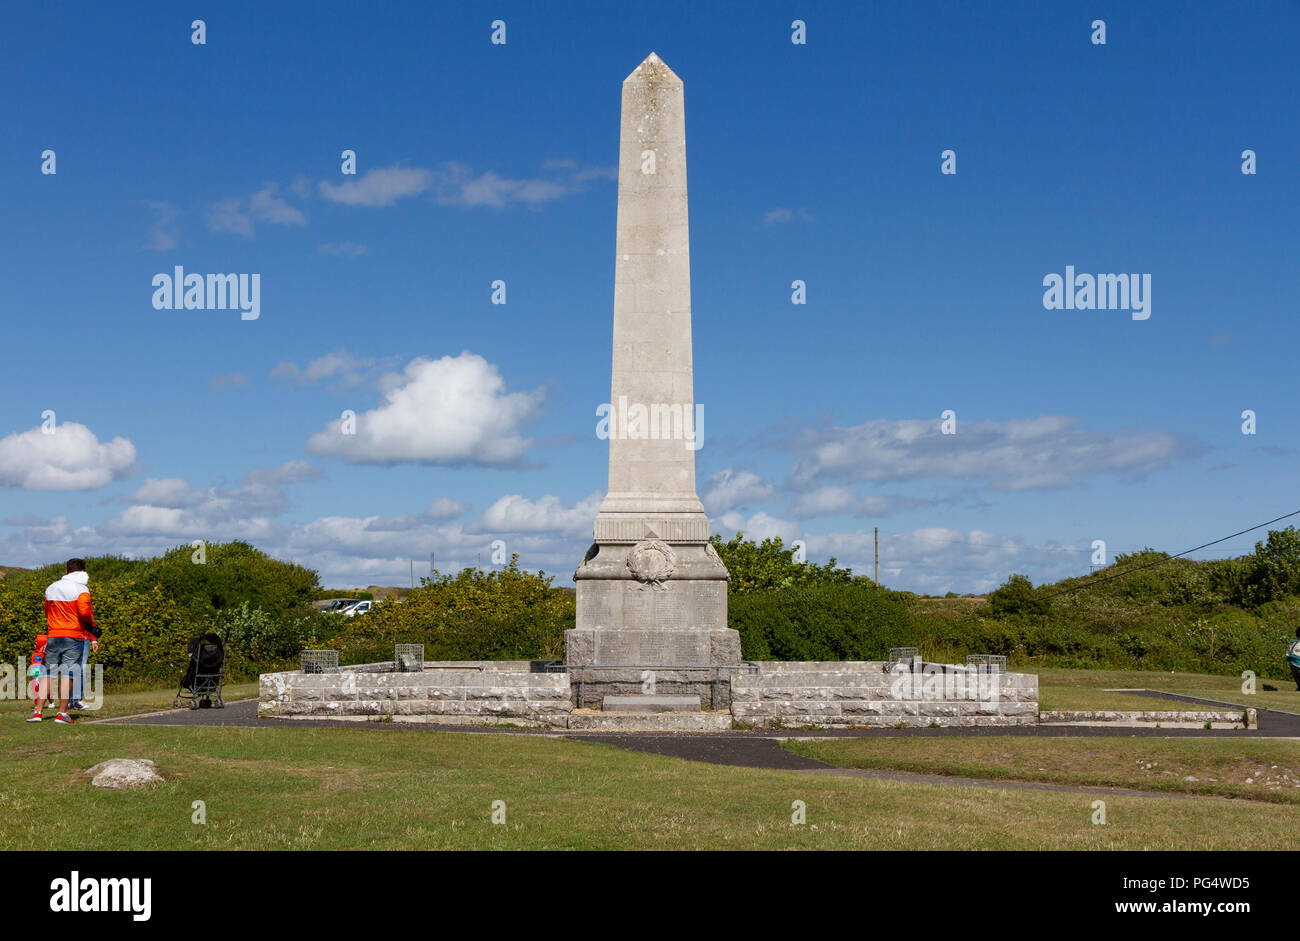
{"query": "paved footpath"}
{"type": "Point", "coordinates": [759, 748]}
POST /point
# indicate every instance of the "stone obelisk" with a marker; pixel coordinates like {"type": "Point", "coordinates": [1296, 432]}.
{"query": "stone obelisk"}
{"type": "Point", "coordinates": [651, 590]}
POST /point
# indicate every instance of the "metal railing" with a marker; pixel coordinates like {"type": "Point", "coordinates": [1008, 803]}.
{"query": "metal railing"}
{"type": "Point", "coordinates": [557, 666]}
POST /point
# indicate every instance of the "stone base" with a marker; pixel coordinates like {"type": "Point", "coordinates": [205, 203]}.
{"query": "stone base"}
{"type": "Point", "coordinates": [651, 704]}
{"type": "Point", "coordinates": [650, 721]}
{"type": "Point", "coordinates": [1188, 719]}
{"type": "Point", "coordinates": [636, 646]}
{"type": "Point", "coordinates": [764, 695]}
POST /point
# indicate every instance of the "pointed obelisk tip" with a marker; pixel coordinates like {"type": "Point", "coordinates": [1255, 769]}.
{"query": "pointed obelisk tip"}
{"type": "Point", "coordinates": [653, 69]}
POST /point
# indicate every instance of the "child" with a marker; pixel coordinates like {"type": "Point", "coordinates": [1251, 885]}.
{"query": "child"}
{"type": "Point", "coordinates": [40, 680]}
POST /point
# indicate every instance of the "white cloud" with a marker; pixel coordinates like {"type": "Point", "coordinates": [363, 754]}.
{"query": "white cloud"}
{"type": "Point", "coordinates": [516, 514]}
{"type": "Point", "coordinates": [230, 380]}
{"type": "Point", "coordinates": [457, 184]}
{"type": "Point", "coordinates": [1049, 451]}
{"type": "Point", "coordinates": [833, 500]}
{"type": "Point", "coordinates": [172, 492]}
{"type": "Point", "coordinates": [260, 492]}
{"type": "Point", "coordinates": [235, 216]}
{"type": "Point", "coordinates": [758, 527]}
{"type": "Point", "coordinates": [349, 369]}
{"type": "Point", "coordinates": [379, 187]}
{"type": "Point", "coordinates": [937, 560]}
{"type": "Point", "coordinates": [445, 508]}
{"type": "Point", "coordinates": [269, 207]}
{"type": "Point", "coordinates": [348, 551]}
{"type": "Point", "coordinates": [781, 215]}
{"type": "Point", "coordinates": [71, 458]}
{"type": "Point", "coordinates": [229, 216]}
{"type": "Point", "coordinates": [452, 410]}
{"type": "Point", "coordinates": [163, 238]}
{"type": "Point", "coordinates": [731, 488]}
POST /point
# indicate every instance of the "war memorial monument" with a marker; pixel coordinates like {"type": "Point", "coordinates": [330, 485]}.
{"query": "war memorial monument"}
{"type": "Point", "coordinates": [651, 649]}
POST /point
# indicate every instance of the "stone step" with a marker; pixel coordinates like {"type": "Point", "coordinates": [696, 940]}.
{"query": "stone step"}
{"type": "Point", "coordinates": [650, 721]}
{"type": "Point", "coordinates": [651, 704]}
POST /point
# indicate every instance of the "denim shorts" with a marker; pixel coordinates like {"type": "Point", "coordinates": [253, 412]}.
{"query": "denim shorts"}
{"type": "Point", "coordinates": [62, 652]}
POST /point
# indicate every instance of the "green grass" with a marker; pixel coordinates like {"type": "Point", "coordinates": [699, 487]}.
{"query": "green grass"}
{"type": "Point", "coordinates": [1086, 689]}
{"type": "Point", "coordinates": [372, 789]}
{"type": "Point", "coordinates": [1220, 766]}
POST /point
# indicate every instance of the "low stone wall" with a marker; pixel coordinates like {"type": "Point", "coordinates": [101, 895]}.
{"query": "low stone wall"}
{"type": "Point", "coordinates": [590, 685]}
{"type": "Point", "coordinates": [449, 693]}
{"type": "Point", "coordinates": [851, 694]}
{"type": "Point", "coordinates": [777, 695]}
{"type": "Point", "coordinates": [1152, 719]}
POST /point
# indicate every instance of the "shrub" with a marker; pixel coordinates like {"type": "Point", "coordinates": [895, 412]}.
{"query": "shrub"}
{"type": "Point", "coordinates": [503, 613]}
{"type": "Point", "coordinates": [850, 621]}
{"type": "Point", "coordinates": [767, 565]}
{"type": "Point", "coordinates": [1018, 597]}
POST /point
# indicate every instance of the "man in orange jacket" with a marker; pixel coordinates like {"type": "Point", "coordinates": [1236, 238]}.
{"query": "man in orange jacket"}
{"type": "Point", "coordinates": [71, 626]}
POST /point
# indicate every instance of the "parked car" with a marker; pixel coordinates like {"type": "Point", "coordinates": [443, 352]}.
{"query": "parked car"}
{"type": "Point", "coordinates": [338, 604]}
{"type": "Point", "coordinates": [361, 607]}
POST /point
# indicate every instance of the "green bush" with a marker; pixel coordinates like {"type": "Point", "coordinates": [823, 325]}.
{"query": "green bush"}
{"type": "Point", "coordinates": [767, 565]}
{"type": "Point", "coordinates": [849, 621]}
{"type": "Point", "coordinates": [256, 637]}
{"type": "Point", "coordinates": [1018, 597]}
{"type": "Point", "coordinates": [503, 613]}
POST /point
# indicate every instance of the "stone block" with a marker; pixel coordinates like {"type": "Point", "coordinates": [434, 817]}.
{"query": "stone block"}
{"type": "Point", "coordinates": [651, 704]}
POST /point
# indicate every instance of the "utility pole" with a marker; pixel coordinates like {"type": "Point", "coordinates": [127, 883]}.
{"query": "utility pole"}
{"type": "Point", "coordinates": [875, 531]}
{"type": "Point", "coordinates": [431, 568]}
{"type": "Point", "coordinates": [412, 573]}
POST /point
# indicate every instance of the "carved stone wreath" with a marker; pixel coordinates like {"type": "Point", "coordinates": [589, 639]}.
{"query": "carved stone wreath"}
{"type": "Point", "coordinates": [652, 562]}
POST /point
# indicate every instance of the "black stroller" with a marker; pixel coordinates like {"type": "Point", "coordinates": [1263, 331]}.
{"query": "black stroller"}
{"type": "Point", "coordinates": [206, 674]}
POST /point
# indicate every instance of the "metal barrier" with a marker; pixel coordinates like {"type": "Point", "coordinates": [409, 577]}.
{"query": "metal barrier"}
{"type": "Point", "coordinates": [987, 662]}
{"type": "Point", "coordinates": [557, 666]}
{"type": "Point", "coordinates": [408, 658]}
{"type": "Point", "coordinates": [319, 661]}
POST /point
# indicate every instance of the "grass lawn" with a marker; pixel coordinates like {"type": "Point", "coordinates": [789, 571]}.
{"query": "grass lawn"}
{"type": "Point", "coordinates": [1260, 769]}
{"type": "Point", "coordinates": [373, 789]}
{"type": "Point", "coordinates": [1086, 689]}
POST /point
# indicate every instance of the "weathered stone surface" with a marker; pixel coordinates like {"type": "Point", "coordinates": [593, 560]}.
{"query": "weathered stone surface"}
{"type": "Point", "coordinates": [651, 591]}
{"type": "Point", "coordinates": [865, 694]}
{"type": "Point", "coordinates": [651, 704]}
{"type": "Point", "coordinates": [118, 773]}
{"type": "Point", "coordinates": [651, 721]}
{"type": "Point", "coordinates": [773, 695]}
{"type": "Point", "coordinates": [1238, 719]}
{"type": "Point", "coordinates": [460, 691]}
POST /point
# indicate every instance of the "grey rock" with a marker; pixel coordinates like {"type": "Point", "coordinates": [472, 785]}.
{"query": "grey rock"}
{"type": "Point", "coordinates": [118, 773]}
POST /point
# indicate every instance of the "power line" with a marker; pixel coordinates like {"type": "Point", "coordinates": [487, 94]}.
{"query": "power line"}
{"type": "Point", "coordinates": [1098, 581]}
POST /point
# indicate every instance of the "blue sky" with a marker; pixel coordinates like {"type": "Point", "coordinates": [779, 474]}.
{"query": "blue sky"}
{"type": "Point", "coordinates": [818, 162]}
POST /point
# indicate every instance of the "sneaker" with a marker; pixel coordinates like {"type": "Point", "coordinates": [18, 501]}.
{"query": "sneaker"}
{"type": "Point", "coordinates": [76, 705]}
{"type": "Point", "coordinates": [35, 716]}
{"type": "Point", "coordinates": [64, 719]}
